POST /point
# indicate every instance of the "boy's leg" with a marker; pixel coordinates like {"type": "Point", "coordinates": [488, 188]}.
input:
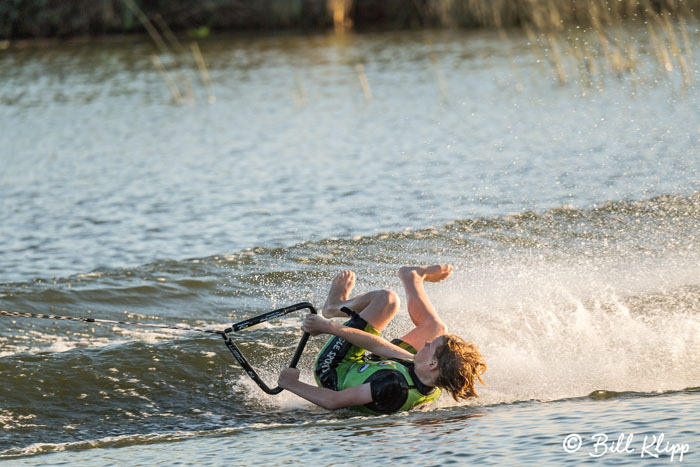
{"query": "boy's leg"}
{"type": "Point", "coordinates": [374, 311]}
{"type": "Point", "coordinates": [423, 314]}
{"type": "Point", "coordinates": [377, 307]}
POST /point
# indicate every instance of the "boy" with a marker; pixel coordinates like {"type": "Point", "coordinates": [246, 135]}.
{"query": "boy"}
{"type": "Point", "coordinates": [409, 371]}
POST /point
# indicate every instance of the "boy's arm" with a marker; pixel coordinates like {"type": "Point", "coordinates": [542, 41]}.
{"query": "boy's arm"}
{"type": "Point", "coordinates": [375, 344]}
{"type": "Point", "coordinates": [324, 397]}
{"type": "Point", "coordinates": [315, 325]}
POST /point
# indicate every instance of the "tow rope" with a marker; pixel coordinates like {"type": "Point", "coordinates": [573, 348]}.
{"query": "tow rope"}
{"type": "Point", "coordinates": [226, 334]}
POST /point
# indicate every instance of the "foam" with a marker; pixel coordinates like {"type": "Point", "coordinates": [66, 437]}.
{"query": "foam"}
{"type": "Point", "coordinates": [551, 331]}
{"type": "Point", "coordinates": [285, 400]}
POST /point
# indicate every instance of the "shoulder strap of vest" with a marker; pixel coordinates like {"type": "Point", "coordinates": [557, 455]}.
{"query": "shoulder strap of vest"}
{"type": "Point", "coordinates": [407, 375]}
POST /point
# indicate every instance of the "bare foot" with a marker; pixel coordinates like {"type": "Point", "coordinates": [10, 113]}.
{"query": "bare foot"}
{"type": "Point", "coordinates": [339, 293]}
{"type": "Point", "coordinates": [435, 273]}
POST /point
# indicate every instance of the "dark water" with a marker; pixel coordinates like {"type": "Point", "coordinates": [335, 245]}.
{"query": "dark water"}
{"type": "Point", "coordinates": [571, 216]}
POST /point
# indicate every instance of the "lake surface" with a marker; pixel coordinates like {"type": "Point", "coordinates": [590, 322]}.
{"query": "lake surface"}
{"type": "Point", "coordinates": [570, 212]}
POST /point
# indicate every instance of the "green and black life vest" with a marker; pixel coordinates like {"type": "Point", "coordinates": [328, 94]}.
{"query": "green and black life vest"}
{"type": "Point", "coordinates": [405, 390]}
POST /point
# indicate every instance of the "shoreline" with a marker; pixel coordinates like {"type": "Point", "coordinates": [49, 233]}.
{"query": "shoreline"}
{"type": "Point", "coordinates": [72, 22]}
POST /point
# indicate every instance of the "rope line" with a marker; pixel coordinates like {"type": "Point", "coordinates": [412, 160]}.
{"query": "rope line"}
{"type": "Point", "coordinates": [235, 351]}
{"type": "Point", "coordinates": [18, 314]}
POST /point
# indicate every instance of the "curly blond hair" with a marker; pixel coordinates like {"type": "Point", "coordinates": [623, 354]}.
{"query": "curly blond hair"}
{"type": "Point", "coordinates": [460, 364]}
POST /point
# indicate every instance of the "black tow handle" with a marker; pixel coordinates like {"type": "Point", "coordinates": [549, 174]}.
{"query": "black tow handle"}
{"type": "Point", "coordinates": [261, 319]}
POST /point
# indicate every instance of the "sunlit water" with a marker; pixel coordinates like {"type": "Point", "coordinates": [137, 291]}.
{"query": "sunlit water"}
{"type": "Point", "coordinates": [571, 215]}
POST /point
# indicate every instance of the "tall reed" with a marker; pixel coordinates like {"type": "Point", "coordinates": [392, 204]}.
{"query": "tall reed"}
{"type": "Point", "coordinates": [587, 40]}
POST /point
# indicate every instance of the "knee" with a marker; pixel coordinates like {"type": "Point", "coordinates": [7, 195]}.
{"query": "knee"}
{"type": "Point", "coordinates": [389, 298]}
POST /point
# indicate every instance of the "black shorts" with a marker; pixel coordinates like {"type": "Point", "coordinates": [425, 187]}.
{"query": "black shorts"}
{"type": "Point", "coordinates": [337, 355]}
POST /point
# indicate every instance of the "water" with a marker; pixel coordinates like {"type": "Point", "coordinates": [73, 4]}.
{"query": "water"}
{"type": "Point", "coordinates": [571, 215]}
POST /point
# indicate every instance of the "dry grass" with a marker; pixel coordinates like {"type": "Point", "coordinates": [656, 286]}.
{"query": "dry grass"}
{"type": "Point", "coordinates": [582, 41]}
{"type": "Point", "coordinates": [577, 41]}
{"type": "Point", "coordinates": [588, 40]}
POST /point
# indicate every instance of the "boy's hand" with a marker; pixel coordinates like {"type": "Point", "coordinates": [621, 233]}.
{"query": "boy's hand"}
{"type": "Point", "coordinates": [288, 377]}
{"type": "Point", "coordinates": [315, 325]}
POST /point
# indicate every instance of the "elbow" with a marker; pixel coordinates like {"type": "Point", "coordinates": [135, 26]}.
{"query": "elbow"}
{"type": "Point", "coordinates": [435, 327]}
{"type": "Point", "coordinates": [330, 403]}
{"type": "Point", "coordinates": [440, 328]}
{"type": "Point", "coordinates": [333, 400]}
